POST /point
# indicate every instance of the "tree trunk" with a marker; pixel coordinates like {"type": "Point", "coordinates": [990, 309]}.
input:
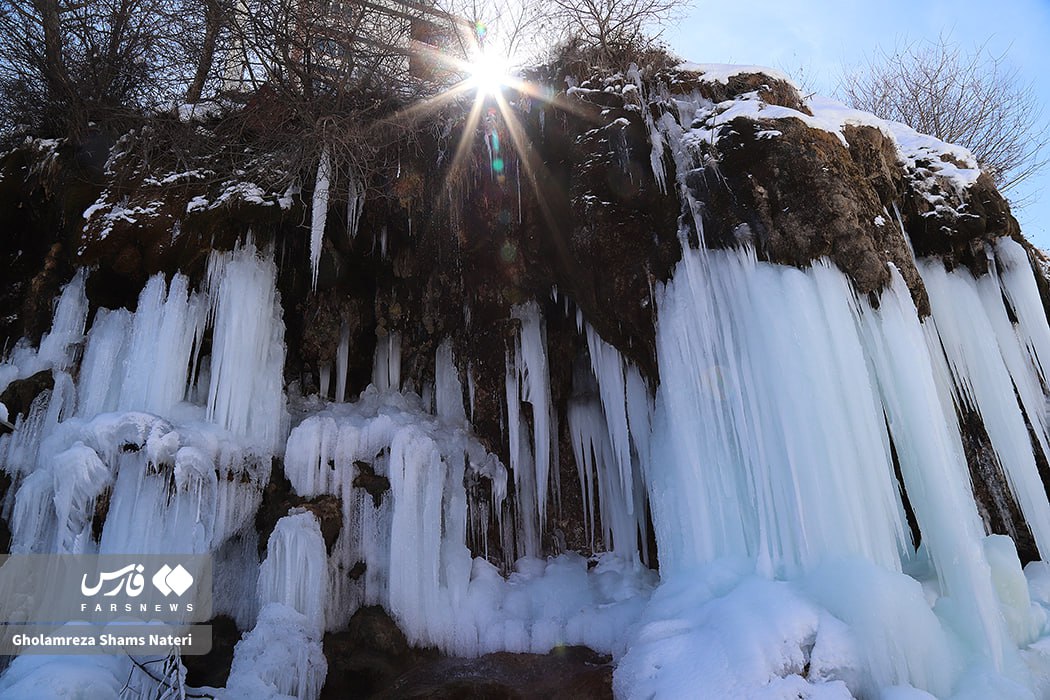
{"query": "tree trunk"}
{"type": "Point", "coordinates": [54, 64]}
{"type": "Point", "coordinates": [212, 25]}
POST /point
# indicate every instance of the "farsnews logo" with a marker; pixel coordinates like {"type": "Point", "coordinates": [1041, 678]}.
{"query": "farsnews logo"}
{"type": "Point", "coordinates": [131, 581]}
{"type": "Point", "coordinates": [169, 580]}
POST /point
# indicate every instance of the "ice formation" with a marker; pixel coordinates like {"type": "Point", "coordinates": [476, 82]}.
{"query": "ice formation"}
{"type": "Point", "coordinates": [319, 211]}
{"type": "Point", "coordinates": [766, 458]}
{"type": "Point", "coordinates": [795, 426]}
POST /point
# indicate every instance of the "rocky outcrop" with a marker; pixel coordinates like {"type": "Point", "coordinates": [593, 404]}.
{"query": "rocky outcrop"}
{"type": "Point", "coordinates": [577, 202]}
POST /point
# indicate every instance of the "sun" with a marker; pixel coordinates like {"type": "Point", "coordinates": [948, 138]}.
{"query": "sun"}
{"type": "Point", "coordinates": [489, 72]}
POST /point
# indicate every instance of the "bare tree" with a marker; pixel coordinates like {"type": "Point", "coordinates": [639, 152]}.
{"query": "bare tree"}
{"type": "Point", "coordinates": [976, 100]}
{"type": "Point", "coordinates": [66, 63]}
{"type": "Point", "coordinates": [614, 28]}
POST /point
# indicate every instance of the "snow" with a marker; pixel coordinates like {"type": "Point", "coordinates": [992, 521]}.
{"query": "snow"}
{"type": "Point", "coordinates": [937, 168]}
{"type": "Point", "coordinates": [280, 659]}
{"type": "Point", "coordinates": [68, 677]}
{"type": "Point", "coordinates": [722, 72]}
{"type": "Point", "coordinates": [198, 111]}
{"type": "Point", "coordinates": [245, 191]}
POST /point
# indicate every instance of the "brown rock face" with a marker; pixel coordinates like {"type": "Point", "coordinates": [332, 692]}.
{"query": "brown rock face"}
{"type": "Point", "coordinates": [279, 498]}
{"type": "Point", "coordinates": [796, 197]}
{"type": "Point", "coordinates": [569, 672]}
{"type": "Point", "coordinates": [20, 394]}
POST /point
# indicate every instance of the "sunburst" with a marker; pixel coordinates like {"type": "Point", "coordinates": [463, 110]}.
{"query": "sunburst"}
{"type": "Point", "coordinates": [488, 77]}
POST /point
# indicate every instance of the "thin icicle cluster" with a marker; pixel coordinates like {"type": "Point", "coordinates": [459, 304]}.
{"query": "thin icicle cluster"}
{"type": "Point", "coordinates": [609, 419]}
{"type": "Point", "coordinates": [58, 348]}
{"type": "Point", "coordinates": [246, 381]}
{"type": "Point", "coordinates": [399, 473]}
{"type": "Point", "coordinates": [769, 439]}
{"type": "Point", "coordinates": [987, 353]}
{"type": "Point", "coordinates": [528, 381]}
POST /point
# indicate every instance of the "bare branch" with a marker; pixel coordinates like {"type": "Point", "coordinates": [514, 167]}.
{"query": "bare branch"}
{"type": "Point", "coordinates": [976, 100]}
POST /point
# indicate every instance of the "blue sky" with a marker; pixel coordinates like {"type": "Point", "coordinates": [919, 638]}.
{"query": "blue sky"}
{"type": "Point", "coordinates": [821, 37]}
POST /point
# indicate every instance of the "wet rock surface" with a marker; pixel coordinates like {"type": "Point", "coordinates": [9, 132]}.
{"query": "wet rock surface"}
{"type": "Point", "coordinates": [20, 394]}
{"type": "Point", "coordinates": [566, 672]}
{"type": "Point", "coordinates": [372, 659]}
{"type": "Point", "coordinates": [279, 498]}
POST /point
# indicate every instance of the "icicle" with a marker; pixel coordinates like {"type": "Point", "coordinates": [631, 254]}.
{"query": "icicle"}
{"type": "Point", "coordinates": [319, 214]}
{"type": "Point", "coordinates": [342, 357]}
{"type": "Point", "coordinates": [471, 389]}
{"type": "Point", "coordinates": [58, 348]}
{"type": "Point", "coordinates": [280, 657]}
{"type": "Point", "coordinates": [355, 205]}
{"type": "Point", "coordinates": [79, 478]}
{"type": "Point", "coordinates": [984, 356]}
{"type": "Point", "coordinates": [386, 370]}
{"type": "Point", "coordinates": [610, 370]}
{"type": "Point", "coordinates": [740, 344]}
{"type": "Point", "coordinates": [926, 436]}
{"type": "Point", "coordinates": [590, 441]}
{"type": "Point", "coordinates": [325, 380]}
{"type": "Point", "coordinates": [159, 346]}
{"type": "Point", "coordinates": [295, 571]}
{"type": "Point", "coordinates": [448, 391]}
{"type": "Point", "coordinates": [1018, 283]}
{"type": "Point", "coordinates": [104, 355]}
{"type": "Point", "coordinates": [531, 365]}
{"type": "Point", "coordinates": [246, 393]}
{"type": "Point", "coordinates": [655, 139]}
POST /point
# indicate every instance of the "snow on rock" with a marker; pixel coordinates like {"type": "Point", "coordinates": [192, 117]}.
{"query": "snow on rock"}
{"type": "Point", "coordinates": [722, 72]}
{"type": "Point", "coordinates": [70, 677]}
{"type": "Point", "coordinates": [931, 163]}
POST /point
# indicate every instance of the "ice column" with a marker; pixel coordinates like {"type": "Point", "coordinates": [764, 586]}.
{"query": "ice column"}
{"type": "Point", "coordinates": [768, 438]}
{"type": "Point", "coordinates": [245, 393]}
{"type": "Point", "coordinates": [986, 359]}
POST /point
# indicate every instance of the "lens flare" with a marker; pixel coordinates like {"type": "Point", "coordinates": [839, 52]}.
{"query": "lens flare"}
{"type": "Point", "coordinates": [489, 73]}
